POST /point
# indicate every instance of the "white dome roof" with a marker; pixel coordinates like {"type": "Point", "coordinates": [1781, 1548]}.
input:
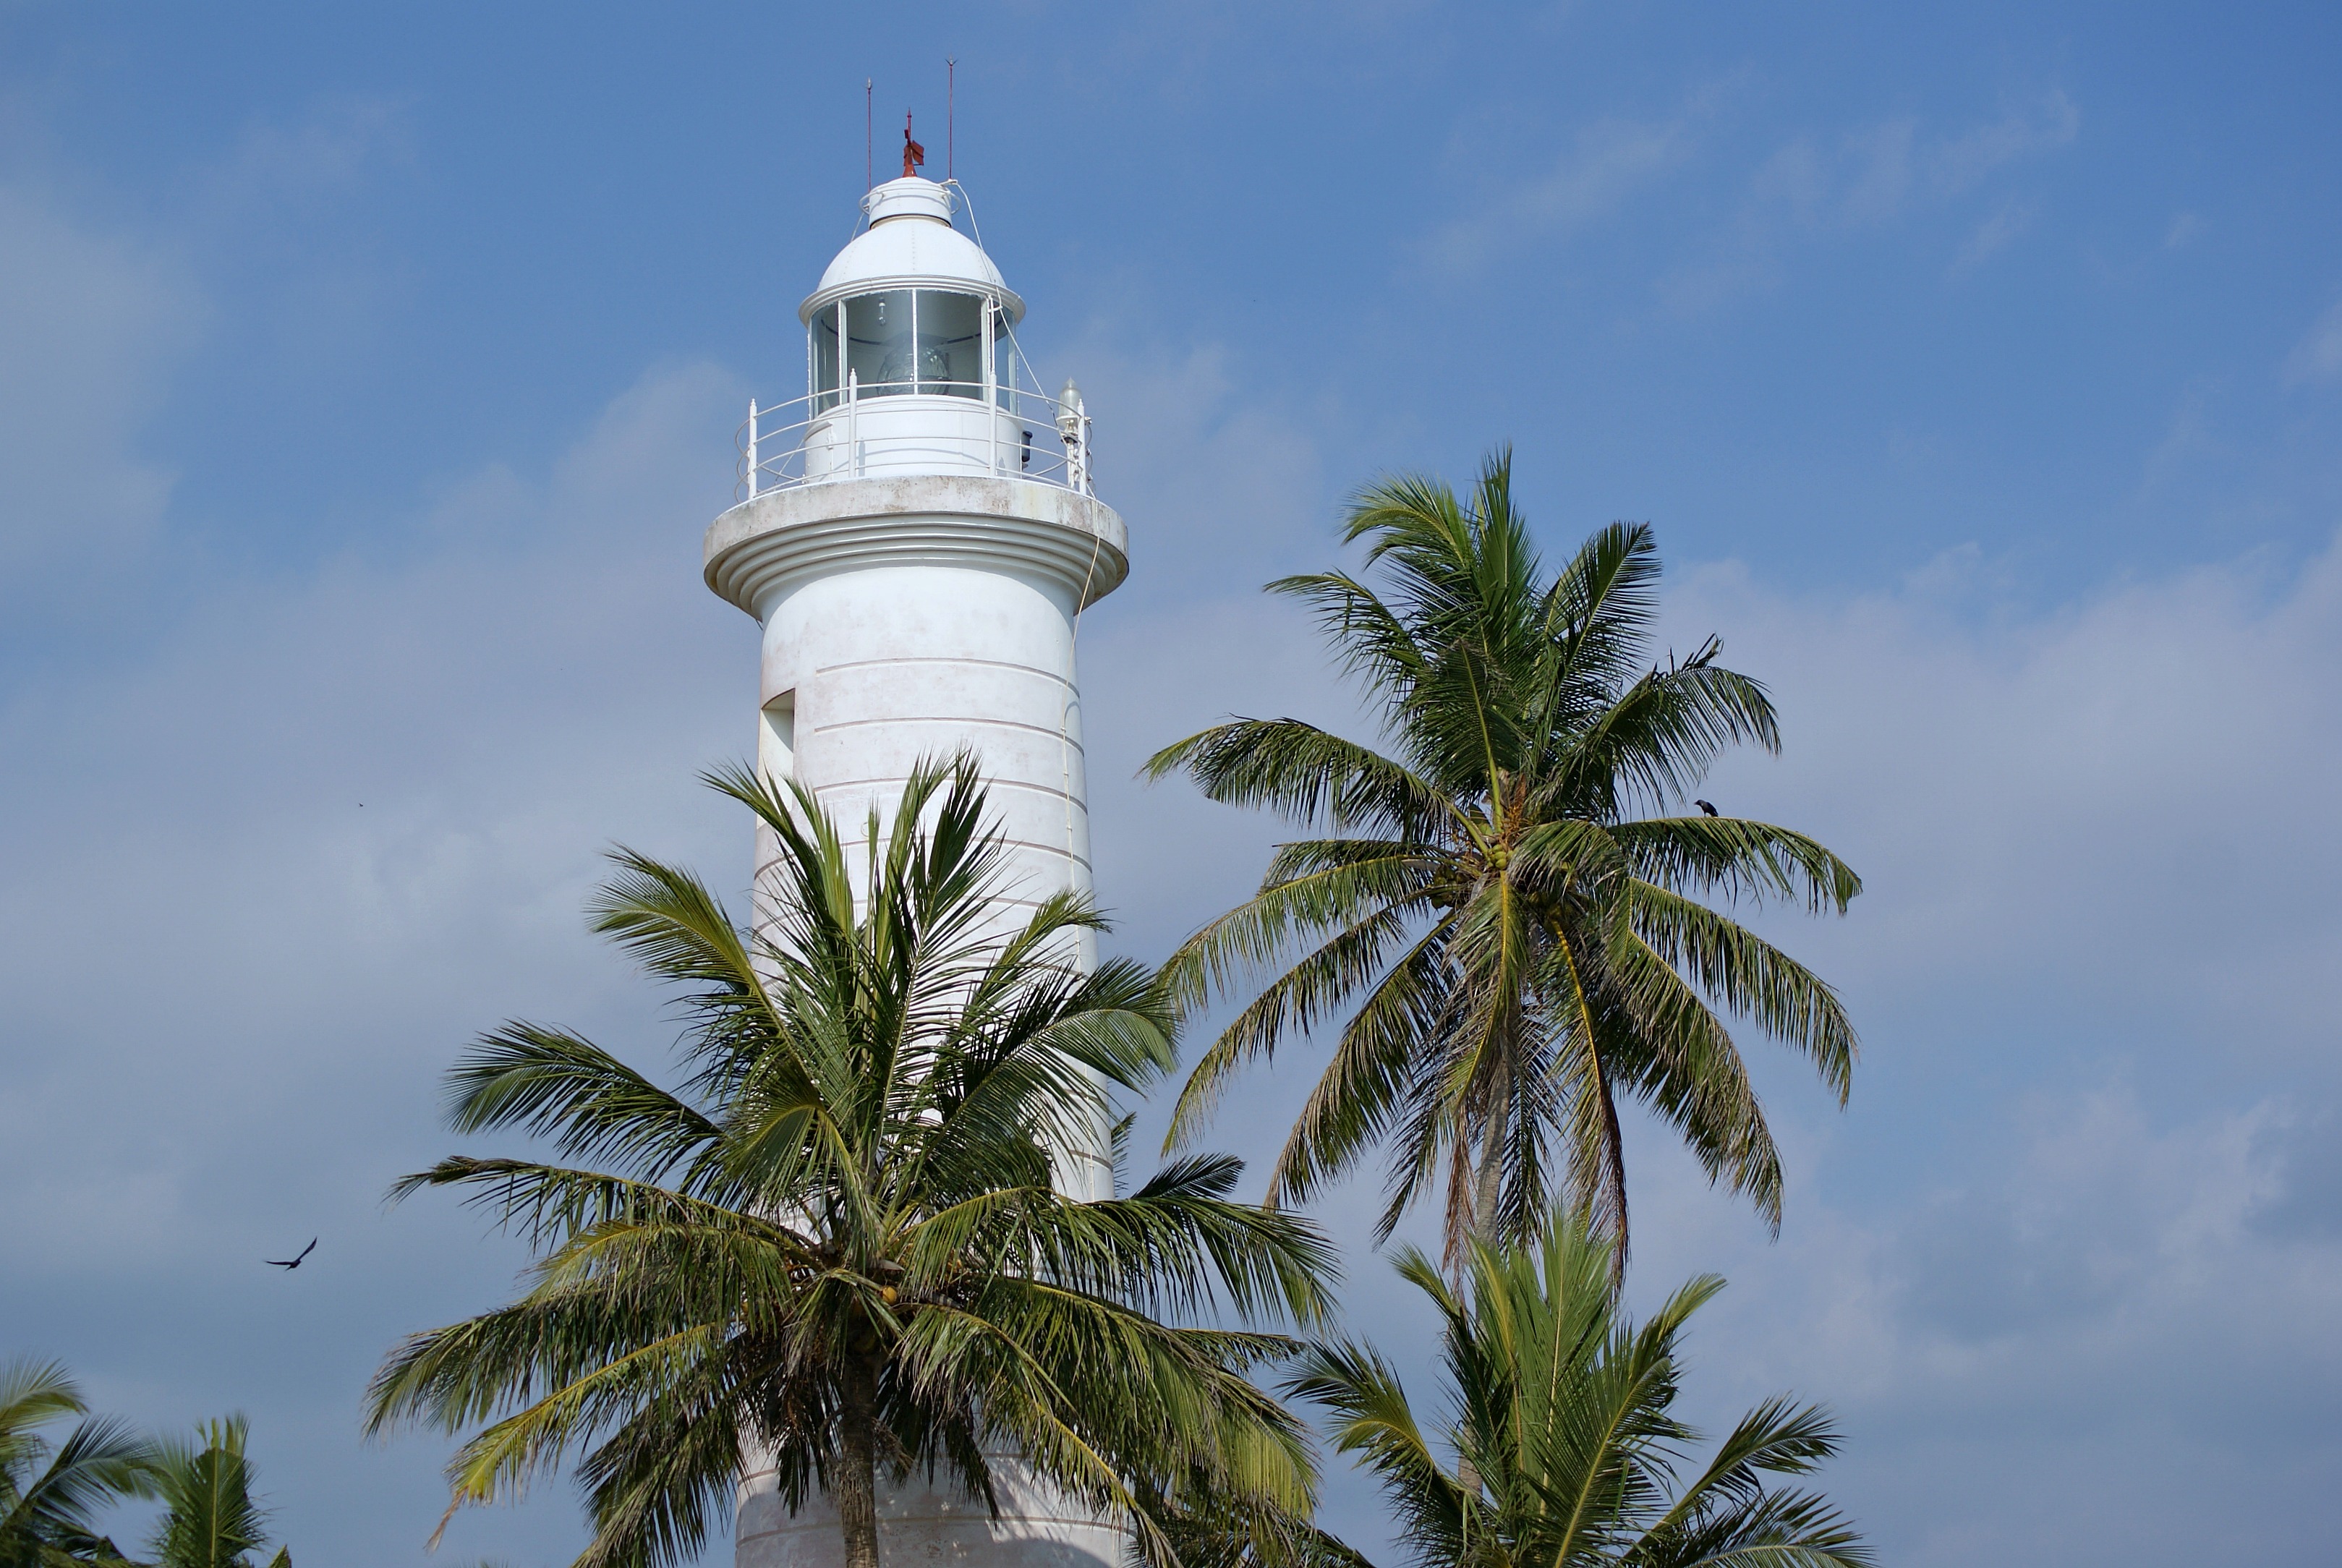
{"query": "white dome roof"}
{"type": "Point", "coordinates": [910, 242]}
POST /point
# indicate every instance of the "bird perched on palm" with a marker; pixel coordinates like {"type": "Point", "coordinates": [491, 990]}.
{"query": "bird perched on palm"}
{"type": "Point", "coordinates": [1503, 913]}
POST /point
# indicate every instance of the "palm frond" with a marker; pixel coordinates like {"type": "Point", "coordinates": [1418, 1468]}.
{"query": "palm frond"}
{"type": "Point", "coordinates": [211, 1518]}
{"type": "Point", "coordinates": [1566, 1450]}
{"type": "Point", "coordinates": [1750, 977]}
{"type": "Point", "coordinates": [1738, 859]}
{"type": "Point", "coordinates": [550, 1083]}
{"type": "Point", "coordinates": [1365, 1085]}
{"type": "Point", "coordinates": [1306, 775]}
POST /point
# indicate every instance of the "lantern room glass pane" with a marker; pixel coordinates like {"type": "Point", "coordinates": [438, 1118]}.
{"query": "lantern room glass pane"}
{"type": "Point", "coordinates": [951, 343]}
{"type": "Point", "coordinates": [824, 359]}
{"type": "Point", "coordinates": [879, 342]}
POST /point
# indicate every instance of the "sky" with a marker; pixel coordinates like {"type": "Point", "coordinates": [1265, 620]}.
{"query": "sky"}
{"type": "Point", "coordinates": [367, 377]}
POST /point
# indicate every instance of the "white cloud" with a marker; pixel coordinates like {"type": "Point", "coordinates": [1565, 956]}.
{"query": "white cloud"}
{"type": "Point", "coordinates": [91, 323]}
{"type": "Point", "coordinates": [1217, 479]}
{"type": "Point", "coordinates": [2076, 1320]}
{"type": "Point", "coordinates": [378, 759]}
{"type": "Point", "coordinates": [2189, 438]}
{"type": "Point", "coordinates": [2091, 853]}
{"type": "Point", "coordinates": [1794, 174]}
{"type": "Point", "coordinates": [1961, 162]}
{"type": "Point", "coordinates": [330, 147]}
{"type": "Point", "coordinates": [1604, 163]}
{"type": "Point", "coordinates": [2128, 756]}
{"type": "Point", "coordinates": [2007, 221]}
{"type": "Point", "coordinates": [1810, 186]}
{"type": "Point", "coordinates": [2318, 357]}
{"type": "Point", "coordinates": [1870, 174]}
{"type": "Point", "coordinates": [1880, 168]}
{"type": "Point", "coordinates": [271, 869]}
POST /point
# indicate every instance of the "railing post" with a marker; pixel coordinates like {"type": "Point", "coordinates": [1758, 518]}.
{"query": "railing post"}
{"type": "Point", "coordinates": [854, 423]}
{"type": "Point", "coordinates": [991, 394]}
{"type": "Point", "coordinates": [751, 449]}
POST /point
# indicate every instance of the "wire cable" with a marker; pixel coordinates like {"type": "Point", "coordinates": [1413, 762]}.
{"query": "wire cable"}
{"type": "Point", "coordinates": [1081, 601]}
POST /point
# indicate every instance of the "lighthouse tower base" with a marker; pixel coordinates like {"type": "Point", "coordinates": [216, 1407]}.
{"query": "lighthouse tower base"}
{"type": "Point", "coordinates": [932, 1521]}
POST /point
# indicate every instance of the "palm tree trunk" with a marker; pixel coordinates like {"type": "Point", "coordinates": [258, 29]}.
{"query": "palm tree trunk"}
{"type": "Point", "coordinates": [1488, 1186]}
{"type": "Point", "coordinates": [857, 1476]}
{"type": "Point", "coordinates": [1614, 1181]}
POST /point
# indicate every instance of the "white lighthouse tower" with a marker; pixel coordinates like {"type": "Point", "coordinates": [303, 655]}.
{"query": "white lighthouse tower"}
{"type": "Point", "coordinates": [917, 537]}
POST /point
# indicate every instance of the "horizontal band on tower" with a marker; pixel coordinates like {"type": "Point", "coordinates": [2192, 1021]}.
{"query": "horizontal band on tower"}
{"type": "Point", "coordinates": [822, 792]}
{"type": "Point", "coordinates": [811, 530]}
{"type": "Point", "coordinates": [888, 663]}
{"type": "Point", "coordinates": [763, 921]}
{"type": "Point", "coordinates": [1055, 734]}
{"type": "Point", "coordinates": [1058, 850]}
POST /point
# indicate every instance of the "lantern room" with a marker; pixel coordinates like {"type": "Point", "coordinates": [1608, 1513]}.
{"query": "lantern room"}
{"type": "Point", "coordinates": [912, 365]}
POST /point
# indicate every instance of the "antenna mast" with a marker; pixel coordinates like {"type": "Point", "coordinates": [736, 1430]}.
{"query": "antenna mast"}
{"type": "Point", "coordinates": [869, 175]}
{"type": "Point", "coordinates": [951, 104]}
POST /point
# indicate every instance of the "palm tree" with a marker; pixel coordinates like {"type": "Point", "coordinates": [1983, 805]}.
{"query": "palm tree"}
{"type": "Point", "coordinates": [211, 1518]}
{"type": "Point", "coordinates": [840, 1244]}
{"type": "Point", "coordinates": [1517, 943]}
{"type": "Point", "coordinates": [1564, 1453]}
{"type": "Point", "coordinates": [49, 1497]}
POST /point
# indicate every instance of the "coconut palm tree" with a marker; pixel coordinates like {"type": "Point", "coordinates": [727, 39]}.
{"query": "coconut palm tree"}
{"type": "Point", "coordinates": [840, 1242]}
{"type": "Point", "coordinates": [1562, 1452]}
{"type": "Point", "coordinates": [1519, 941]}
{"type": "Point", "coordinates": [211, 1518]}
{"type": "Point", "coordinates": [50, 1495]}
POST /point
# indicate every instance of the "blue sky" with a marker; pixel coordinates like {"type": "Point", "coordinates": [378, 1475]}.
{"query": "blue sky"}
{"type": "Point", "coordinates": [367, 379]}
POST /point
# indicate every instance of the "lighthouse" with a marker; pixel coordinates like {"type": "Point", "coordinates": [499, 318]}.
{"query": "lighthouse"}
{"type": "Point", "coordinates": [917, 536]}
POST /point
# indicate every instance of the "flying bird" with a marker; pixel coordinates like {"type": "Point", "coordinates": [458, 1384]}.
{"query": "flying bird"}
{"type": "Point", "coordinates": [293, 1263]}
{"type": "Point", "coordinates": [1705, 806]}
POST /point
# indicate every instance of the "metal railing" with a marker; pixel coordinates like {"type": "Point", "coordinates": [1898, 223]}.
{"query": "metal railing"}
{"type": "Point", "coordinates": [912, 428]}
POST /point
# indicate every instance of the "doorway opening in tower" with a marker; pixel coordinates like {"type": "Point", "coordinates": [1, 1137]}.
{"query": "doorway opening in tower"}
{"type": "Point", "coordinates": [902, 378]}
{"type": "Point", "coordinates": [776, 738]}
